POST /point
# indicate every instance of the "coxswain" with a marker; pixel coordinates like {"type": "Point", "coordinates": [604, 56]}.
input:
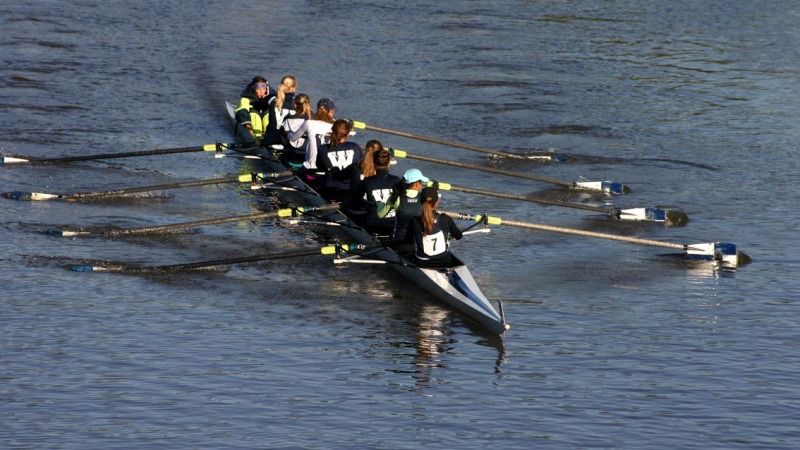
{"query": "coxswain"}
{"type": "Point", "coordinates": [431, 231]}
{"type": "Point", "coordinates": [340, 160]}
{"type": "Point", "coordinates": [375, 190]}
{"type": "Point", "coordinates": [252, 115]}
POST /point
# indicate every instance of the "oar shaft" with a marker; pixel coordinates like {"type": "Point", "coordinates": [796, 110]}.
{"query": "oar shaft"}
{"type": "Point", "coordinates": [287, 212]}
{"type": "Point", "coordinates": [539, 200]}
{"type": "Point", "coordinates": [179, 185]}
{"type": "Point", "coordinates": [163, 151]}
{"type": "Point", "coordinates": [229, 261]}
{"type": "Point", "coordinates": [448, 162]}
{"type": "Point", "coordinates": [572, 231]}
{"type": "Point", "coordinates": [155, 187]}
{"type": "Point", "coordinates": [434, 140]}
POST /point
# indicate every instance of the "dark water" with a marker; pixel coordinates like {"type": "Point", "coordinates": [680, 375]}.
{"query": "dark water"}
{"type": "Point", "coordinates": [612, 345]}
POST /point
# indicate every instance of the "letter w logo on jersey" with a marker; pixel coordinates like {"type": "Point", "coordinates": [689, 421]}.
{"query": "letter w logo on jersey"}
{"type": "Point", "coordinates": [341, 159]}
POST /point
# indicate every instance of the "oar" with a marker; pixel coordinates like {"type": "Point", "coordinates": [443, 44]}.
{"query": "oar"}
{"type": "Point", "coordinates": [333, 249]}
{"type": "Point", "coordinates": [217, 147]}
{"type": "Point", "coordinates": [608, 187]}
{"type": "Point", "coordinates": [667, 216]}
{"type": "Point", "coordinates": [246, 178]}
{"type": "Point", "coordinates": [286, 212]}
{"type": "Point", "coordinates": [474, 148]}
{"type": "Point", "coordinates": [718, 251]}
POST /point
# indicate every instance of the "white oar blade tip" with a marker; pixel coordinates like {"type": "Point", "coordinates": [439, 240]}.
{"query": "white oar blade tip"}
{"type": "Point", "coordinates": [607, 187]}
{"type": "Point", "coordinates": [724, 252]}
{"type": "Point", "coordinates": [13, 160]}
{"type": "Point", "coordinates": [642, 214]}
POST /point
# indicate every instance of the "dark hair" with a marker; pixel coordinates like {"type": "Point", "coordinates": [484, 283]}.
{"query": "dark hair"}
{"type": "Point", "coordinates": [257, 79]}
{"type": "Point", "coordinates": [339, 132]}
{"type": "Point", "coordinates": [382, 158]}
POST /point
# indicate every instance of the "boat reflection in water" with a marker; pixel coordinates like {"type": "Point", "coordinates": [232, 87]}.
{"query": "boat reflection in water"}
{"type": "Point", "coordinates": [434, 339]}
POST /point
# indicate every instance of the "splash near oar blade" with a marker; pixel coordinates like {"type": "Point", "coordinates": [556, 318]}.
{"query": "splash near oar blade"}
{"type": "Point", "coordinates": [718, 251]}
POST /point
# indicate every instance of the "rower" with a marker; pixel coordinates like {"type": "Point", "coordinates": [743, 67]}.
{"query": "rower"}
{"type": "Point", "coordinates": [316, 131]}
{"type": "Point", "coordinates": [341, 162]}
{"type": "Point", "coordinates": [252, 115]}
{"type": "Point", "coordinates": [281, 107]}
{"type": "Point", "coordinates": [294, 150]}
{"type": "Point", "coordinates": [376, 189]}
{"type": "Point", "coordinates": [404, 200]}
{"type": "Point", "coordinates": [431, 231]}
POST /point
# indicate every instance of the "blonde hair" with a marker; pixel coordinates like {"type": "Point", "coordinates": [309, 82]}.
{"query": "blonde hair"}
{"type": "Point", "coordinates": [302, 105]}
{"type": "Point", "coordinates": [287, 82]}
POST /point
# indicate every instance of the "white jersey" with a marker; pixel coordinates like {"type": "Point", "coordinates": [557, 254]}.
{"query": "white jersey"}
{"type": "Point", "coordinates": [291, 125]}
{"type": "Point", "coordinates": [318, 132]}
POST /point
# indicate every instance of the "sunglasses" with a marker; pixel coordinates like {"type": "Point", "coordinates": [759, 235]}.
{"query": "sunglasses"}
{"type": "Point", "coordinates": [261, 85]}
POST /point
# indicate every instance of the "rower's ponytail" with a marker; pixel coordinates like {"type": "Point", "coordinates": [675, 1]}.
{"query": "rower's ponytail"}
{"type": "Point", "coordinates": [368, 163]}
{"type": "Point", "coordinates": [339, 133]}
{"type": "Point", "coordinates": [302, 106]}
{"type": "Point", "coordinates": [428, 215]}
{"type": "Point", "coordinates": [287, 83]}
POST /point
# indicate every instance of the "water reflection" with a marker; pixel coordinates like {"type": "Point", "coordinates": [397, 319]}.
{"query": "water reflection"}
{"type": "Point", "coordinates": [430, 344]}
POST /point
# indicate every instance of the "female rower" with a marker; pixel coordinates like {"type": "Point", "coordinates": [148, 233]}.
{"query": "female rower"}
{"type": "Point", "coordinates": [368, 164]}
{"type": "Point", "coordinates": [294, 150]}
{"type": "Point", "coordinates": [252, 115]}
{"type": "Point", "coordinates": [340, 160]}
{"type": "Point", "coordinates": [431, 231]}
{"type": "Point", "coordinates": [316, 131]}
{"type": "Point", "coordinates": [376, 190]}
{"type": "Point", "coordinates": [281, 108]}
{"type": "Point", "coordinates": [405, 203]}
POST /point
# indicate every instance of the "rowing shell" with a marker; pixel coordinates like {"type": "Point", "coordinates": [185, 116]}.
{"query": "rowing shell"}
{"type": "Point", "coordinates": [453, 286]}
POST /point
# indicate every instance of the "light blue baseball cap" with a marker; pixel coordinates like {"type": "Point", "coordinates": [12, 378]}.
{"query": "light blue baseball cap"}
{"type": "Point", "coordinates": [414, 175]}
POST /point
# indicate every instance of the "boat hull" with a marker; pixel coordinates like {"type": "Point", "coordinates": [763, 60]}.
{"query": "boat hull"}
{"type": "Point", "coordinates": [453, 286]}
